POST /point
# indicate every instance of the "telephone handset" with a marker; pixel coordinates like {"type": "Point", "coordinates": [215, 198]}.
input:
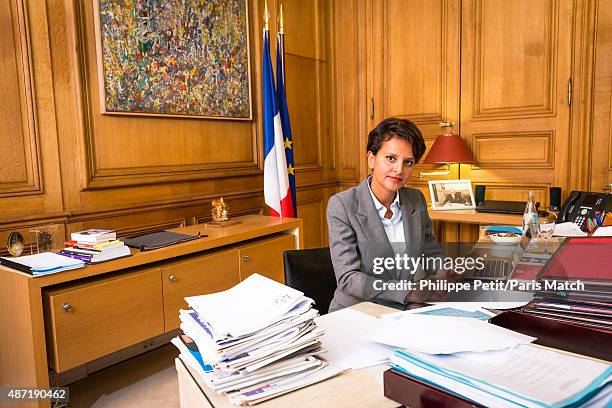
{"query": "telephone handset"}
{"type": "Point", "coordinates": [582, 205]}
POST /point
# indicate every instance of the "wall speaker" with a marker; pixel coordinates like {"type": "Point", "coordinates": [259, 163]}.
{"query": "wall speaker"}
{"type": "Point", "coordinates": [479, 193]}
{"type": "Point", "coordinates": [555, 198]}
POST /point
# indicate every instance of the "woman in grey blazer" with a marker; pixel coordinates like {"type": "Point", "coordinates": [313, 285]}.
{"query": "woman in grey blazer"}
{"type": "Point", "coordinates": [381, 218]}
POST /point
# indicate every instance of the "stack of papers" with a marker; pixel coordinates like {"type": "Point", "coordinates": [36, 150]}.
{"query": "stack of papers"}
{"type": "Point", "coordinates": [524, 376]}
{"type": "Point", "coordinates": [43, 263]}
{"type": "Point", "coordinates": [253, 342]}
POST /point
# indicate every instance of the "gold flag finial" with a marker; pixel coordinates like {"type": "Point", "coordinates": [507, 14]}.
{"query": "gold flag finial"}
{"type": "Point", "coordinates": [282, 23]}
{"type": "Point", "coordinates": [266, 14]}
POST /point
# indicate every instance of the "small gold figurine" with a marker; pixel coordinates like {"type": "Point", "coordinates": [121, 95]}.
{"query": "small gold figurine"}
{"type": "Point", "coordinates": [219, 210]}
{"type": "Point", "coordinates": [219, 215]}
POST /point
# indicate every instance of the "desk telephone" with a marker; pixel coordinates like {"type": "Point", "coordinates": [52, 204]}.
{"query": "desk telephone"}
{"type": "Point", "coordinates": [582, 205]}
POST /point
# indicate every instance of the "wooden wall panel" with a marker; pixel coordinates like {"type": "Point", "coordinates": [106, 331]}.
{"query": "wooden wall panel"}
{"type": "Point", "coordinates": [307, 43]}
{"type": "Point", "coordinates": [415, 49]}
{"type": "Point", "coordinates": [601, 147]}
{"type": "Point", "coordinates": [514, 59]}
{"type": "Point", "coordinates": [19, 169]}
{"type": "Point", "coordinates": [411, 91]}
{"type": "Point", "coordinates": [29, 169]}
{"type": "Point", "coordinates": [305, 109]}
{"type": "Point", "coordinates": [122, 150]}
{"type": "Point", "coordinates": [312, 206]}
{"type": "Point", "coordinates": [515, 150]}
{"type": "Point", "coordinates": [349, 89]}
{"type": "Point", "coordinates": [515, 67]}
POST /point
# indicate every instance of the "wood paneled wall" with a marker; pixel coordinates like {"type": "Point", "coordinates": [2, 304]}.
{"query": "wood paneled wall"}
{"type": "Point", "coordinates": [349, 64]}
{"type": "Point", "coordinates": [65, 163]}
{"type": "Point", "coordinates": [499, 71]}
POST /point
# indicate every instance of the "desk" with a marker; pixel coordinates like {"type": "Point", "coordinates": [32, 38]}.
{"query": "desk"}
{"type": "Point", "coordinates": [462, 225]}
{"type": "Point", "coordinates": [123, 303]}
{"type": "Point", "coordinates": [475, 217]}
{"type": "Point", "coordinates": [363, 387]}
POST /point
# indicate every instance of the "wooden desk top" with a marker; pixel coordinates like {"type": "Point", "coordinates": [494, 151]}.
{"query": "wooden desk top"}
{"type": "Point", "coordinates": [363, 387]}
{"type": "Point", "coordinates": [251, 226]}
{"type": "Point", "coordinates": [475, 217]}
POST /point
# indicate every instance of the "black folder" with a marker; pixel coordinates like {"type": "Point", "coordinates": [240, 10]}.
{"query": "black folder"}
{"type": "Point", "coordinates": [159, 239]}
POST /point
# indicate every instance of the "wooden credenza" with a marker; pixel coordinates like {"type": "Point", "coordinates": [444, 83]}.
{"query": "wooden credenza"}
{"type": "Point", "coordinates": [66, 320]}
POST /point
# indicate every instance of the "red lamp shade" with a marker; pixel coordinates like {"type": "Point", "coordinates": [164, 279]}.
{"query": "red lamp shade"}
{"type": "Point", "coordinates": [449, 149]}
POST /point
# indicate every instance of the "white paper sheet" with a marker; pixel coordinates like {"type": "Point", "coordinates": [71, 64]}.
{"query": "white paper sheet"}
{"type": "Point", "coordinates": [568, 229]}
{"type": "Point", "coordinates": [603, 232]}
{"type": "Point", "coordinates": [345, 339]}
{"type": "Point", "coordinates": [446, 335]}
{"type": "Point", "coordinates": [445, 309]}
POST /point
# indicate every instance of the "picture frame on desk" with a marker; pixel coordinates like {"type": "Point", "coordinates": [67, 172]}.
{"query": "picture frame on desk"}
{"type": "Point", "coordinates": [451, 195]}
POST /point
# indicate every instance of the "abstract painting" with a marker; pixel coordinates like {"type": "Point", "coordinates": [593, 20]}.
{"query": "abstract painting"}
{"type": "Point", "coordinates": [174, 57]}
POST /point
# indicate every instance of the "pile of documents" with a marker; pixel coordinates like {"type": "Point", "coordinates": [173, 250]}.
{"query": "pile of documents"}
{"type": "Point", "coordinates": [42, 264]}
{"type": "Point", "coordinates": [95, 245]}
{"type": "Point", "coordinates": [580, 260]}
{"type": "Point", "coordinates": [490, 365]}
{"type": "Point", "coordinates": [523, 376]}
{"type": "Point", "coordinates": [253, 342]}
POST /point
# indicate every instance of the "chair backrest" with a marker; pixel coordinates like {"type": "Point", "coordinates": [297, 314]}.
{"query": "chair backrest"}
{"type": "Point", "coordinates": [311, 271]}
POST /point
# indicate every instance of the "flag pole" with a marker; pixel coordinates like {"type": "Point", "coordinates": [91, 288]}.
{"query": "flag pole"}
{"type": "Point", "coordinates": [281, 41]}
{"type": "Point", "coordinates": [266, 15]}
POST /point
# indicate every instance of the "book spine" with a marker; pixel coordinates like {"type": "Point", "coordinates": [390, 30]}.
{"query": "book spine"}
{"type": "Point", "coordinates": [79, 251]}
{"type": "Point", "coordinates": [84, 258]}
{"type": "Point", "coordinates": [92, 240]}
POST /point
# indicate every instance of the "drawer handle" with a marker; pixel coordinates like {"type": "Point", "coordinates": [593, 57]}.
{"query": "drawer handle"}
{"type": "Point", "coordinates": [172, 278]}
{"type": "Point", "coordinates": [67, 307]}
{"type": "Point", "coordinates": [246, 258]}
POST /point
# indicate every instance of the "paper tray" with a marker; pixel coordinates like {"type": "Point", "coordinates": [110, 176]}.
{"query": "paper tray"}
{"type": "Point", "coordinates": [415, 393]}
{"type": "Point", "coordinates": [558, 334]}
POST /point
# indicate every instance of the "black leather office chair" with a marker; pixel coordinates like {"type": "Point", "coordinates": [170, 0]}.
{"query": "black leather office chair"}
{"type": "Point", "coordinates": [311, 271]}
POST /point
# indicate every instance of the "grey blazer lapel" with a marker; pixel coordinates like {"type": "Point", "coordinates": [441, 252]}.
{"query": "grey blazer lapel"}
{"type": "Point", "coordinates": [412, 225]}
{"type": "Point", "coordinates": [370, 222]}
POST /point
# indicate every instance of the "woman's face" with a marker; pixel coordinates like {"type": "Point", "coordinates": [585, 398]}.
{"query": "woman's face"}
{"type": "Point", "coordinates": [393, 164]}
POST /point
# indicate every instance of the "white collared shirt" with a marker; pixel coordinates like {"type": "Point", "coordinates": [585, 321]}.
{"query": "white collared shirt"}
{"type": "Point", "coordinates": [394, 227]}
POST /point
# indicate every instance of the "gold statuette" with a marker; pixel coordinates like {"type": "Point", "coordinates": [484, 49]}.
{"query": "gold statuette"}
{"type": "Point", "coordinates": [219, 215]}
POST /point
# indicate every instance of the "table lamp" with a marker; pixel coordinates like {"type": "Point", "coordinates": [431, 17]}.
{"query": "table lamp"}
{"type": "Point", "coordinates": [448, 149]}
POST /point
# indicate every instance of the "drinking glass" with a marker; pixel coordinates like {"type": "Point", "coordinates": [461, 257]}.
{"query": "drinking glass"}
{"type": "Point", "coordinates": [546, 228]}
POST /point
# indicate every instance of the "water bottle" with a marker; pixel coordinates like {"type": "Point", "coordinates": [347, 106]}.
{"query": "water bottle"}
{"type": "Point", "coordinates": [530, 217]}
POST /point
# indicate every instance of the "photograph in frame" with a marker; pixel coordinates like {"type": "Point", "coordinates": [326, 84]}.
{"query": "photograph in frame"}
{"type": "Point", "coordinates": [451, 194]}
{"type": "Point", "coordinates": [169, 58]}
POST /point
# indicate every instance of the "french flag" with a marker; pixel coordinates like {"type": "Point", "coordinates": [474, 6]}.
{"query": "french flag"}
{"type": "Point", "coordinates": [277, 194]}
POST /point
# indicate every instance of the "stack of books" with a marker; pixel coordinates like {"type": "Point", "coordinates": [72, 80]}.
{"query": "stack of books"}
{"type": "Point", "coordinates": [95, 245]}
{"type": "Point", "coordinates": [576, 285]}
{"type": "Point", "coordinates": [253, 342]}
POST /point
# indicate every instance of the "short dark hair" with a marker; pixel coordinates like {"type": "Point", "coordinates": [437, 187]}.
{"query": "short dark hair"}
{"type": "Point", "coordinates": [400, 128]}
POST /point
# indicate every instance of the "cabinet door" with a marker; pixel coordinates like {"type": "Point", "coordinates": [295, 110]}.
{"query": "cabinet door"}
{"type": "Point", "coordinates": [601, 150]}
{"type": "Point", "coordinates": [415, 71]}
{"type": "Point", "coordinates": [266, 257]}
{"type": "Point", "coordinates": [197, 276]}
{"type": "Point", "coordinates": [515, 66]}
{"type": "Point", "coordinates": [94, 319]}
